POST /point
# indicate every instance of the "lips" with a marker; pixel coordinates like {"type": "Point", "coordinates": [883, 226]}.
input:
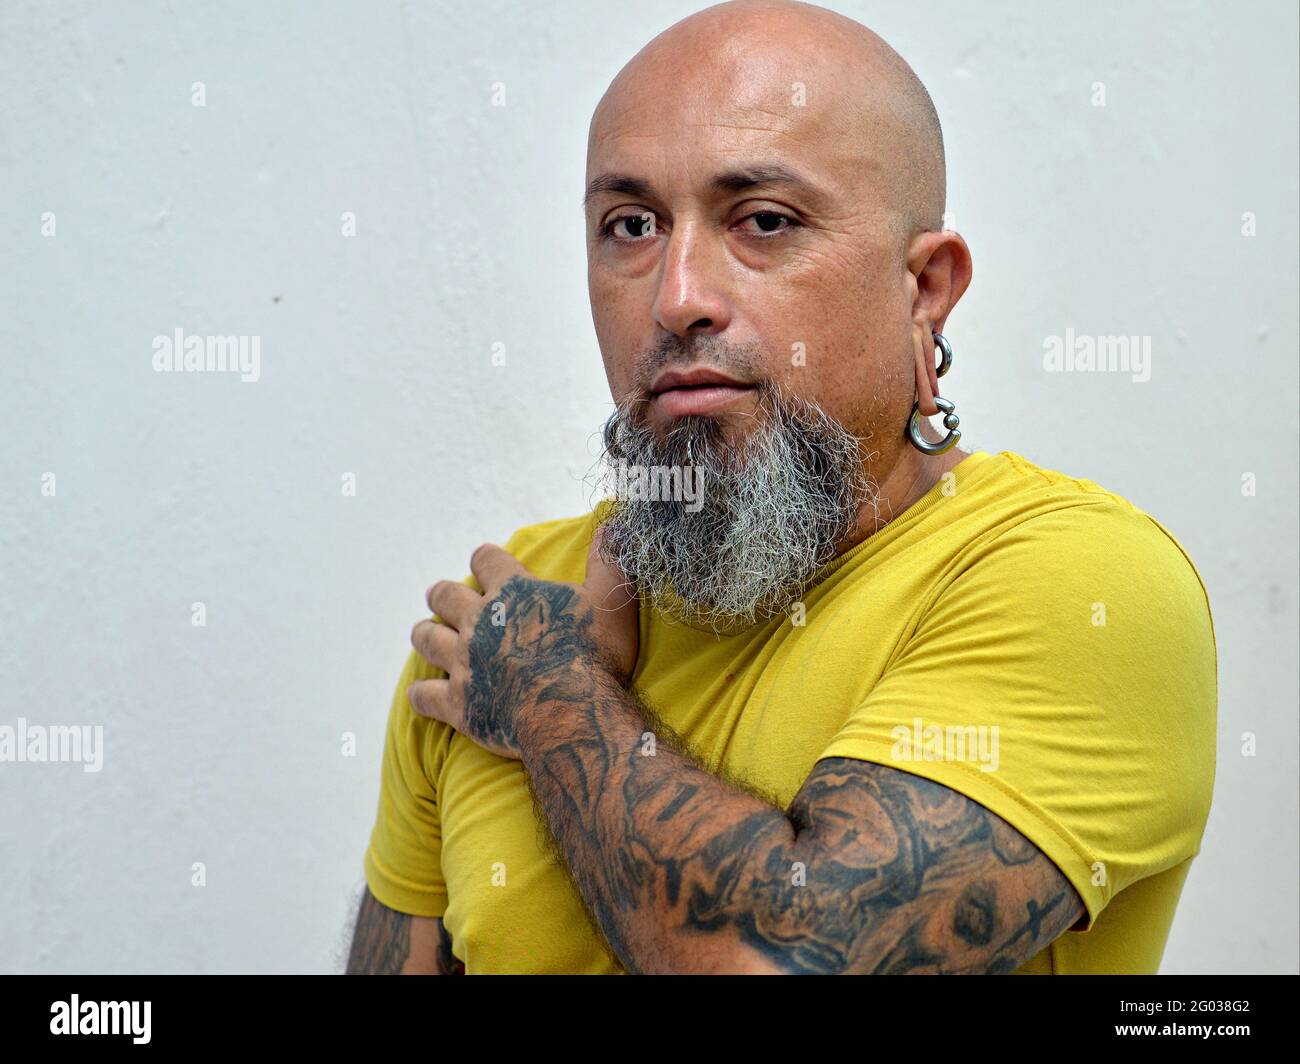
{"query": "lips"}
{"type": "Point", "coordinates": [696, 391]}
{"type": "Point", "coordinates": [694, 378]}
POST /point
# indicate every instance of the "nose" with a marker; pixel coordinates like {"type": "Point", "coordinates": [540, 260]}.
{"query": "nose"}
{"type": "Point", "coordinates": [692, 295]}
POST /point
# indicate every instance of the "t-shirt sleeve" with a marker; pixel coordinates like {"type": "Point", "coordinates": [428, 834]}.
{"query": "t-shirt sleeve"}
{"type": "Point", "coordinates": [1065, 679]}
{"type": "Point", "coordinates": [403, 863]}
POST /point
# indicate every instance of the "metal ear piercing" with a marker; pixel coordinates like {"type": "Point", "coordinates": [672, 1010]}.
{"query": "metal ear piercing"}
{"type": "Point", "coordinates": [949, 411]}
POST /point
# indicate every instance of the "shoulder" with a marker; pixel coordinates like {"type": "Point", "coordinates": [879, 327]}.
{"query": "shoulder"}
{"type": "Point", "coordinates": [557, 549]}
{"type": "Point", "coordinates": [1077, 599]}
{"type": "Point", "coordinates": [1060, 535]}
{"type": "Point", "coordinates": [1069, 593]}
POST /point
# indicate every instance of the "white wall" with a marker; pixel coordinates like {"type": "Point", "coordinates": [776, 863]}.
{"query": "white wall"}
{"type": "Point", "coordinates": [223, 742]}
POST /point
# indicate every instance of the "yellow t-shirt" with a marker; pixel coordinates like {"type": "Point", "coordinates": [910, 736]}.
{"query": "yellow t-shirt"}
{"type": "Point", "coordinates": [1063, 624]}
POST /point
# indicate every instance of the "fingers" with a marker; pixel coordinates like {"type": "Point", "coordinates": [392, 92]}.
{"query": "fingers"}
{"type": "Point", "coordinates": [493, 566]}
{"type": "Point", "coordinates": [432, 698]}
{"type": "Point", "coordinates": [436, 643]}
{"type": "Point", "coordinates": [454, 603]}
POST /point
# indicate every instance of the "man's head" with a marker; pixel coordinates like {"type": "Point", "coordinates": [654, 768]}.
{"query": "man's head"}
{"type": "Point", "coordinates": [765, 200]}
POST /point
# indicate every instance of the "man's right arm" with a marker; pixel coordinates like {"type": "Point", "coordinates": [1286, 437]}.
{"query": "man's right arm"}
{"type": "Point", "coordinates": [386, 942]}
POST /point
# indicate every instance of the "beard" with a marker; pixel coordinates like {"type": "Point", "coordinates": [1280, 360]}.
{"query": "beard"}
{"type": "Point", "coordinates": [765, 515]}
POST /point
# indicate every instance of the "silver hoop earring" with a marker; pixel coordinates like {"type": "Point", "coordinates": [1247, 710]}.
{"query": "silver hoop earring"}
{"type": "Point", "coordinates": [945, 353]}
{"type": "Point", "coordinates": [950, 419]}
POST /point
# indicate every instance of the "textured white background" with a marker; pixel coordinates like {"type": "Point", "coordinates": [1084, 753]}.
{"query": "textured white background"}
{"type": "Point", "coordinates": [223, 743]}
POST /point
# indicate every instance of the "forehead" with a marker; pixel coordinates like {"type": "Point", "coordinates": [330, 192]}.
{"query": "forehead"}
{"type": "Point", "coordinates": [682, 128]}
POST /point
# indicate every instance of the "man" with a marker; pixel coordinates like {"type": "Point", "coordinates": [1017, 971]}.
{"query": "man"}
{"type": "Point", "coordinates": [848, 699]}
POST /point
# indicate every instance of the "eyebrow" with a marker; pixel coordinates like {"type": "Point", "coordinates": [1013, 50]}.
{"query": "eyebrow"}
{"type": "Point", "coordinates": [737, 180]}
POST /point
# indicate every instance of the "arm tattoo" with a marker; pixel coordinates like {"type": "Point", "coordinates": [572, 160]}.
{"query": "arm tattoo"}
{"type": "Point", "coordinates": [871, 870]}
{"type": "Point", "coordinates": [907, 875]}
{"type": "Point", "coordinates": [382, 939]}
{"type": "Point", "coordinates": [381, 944]}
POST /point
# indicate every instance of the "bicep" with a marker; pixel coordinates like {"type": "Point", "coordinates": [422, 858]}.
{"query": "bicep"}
{"type": "Point", "coordinates": [387, 942]}
{"type": "Point", "coordinates": [910, 876]}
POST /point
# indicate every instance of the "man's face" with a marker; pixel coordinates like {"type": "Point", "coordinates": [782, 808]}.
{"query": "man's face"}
{"type": "Point", "coordinates": [751, 301]}
{"type": "Point", "coordinates": [757, 244]}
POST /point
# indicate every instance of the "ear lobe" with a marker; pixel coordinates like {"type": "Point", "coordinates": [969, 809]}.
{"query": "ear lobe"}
{"type": "Point", "coordinates": [927, 376]}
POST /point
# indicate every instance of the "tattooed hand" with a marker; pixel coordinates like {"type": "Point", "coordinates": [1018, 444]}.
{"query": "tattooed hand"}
{"type": "Point", "coordinates": [505, 649]}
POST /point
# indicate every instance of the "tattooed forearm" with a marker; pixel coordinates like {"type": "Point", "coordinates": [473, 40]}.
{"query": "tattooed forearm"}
{"type": "Point", "coordinates": [871, 870]}
{"type": "Point", "coordinates": [387, 942]}
{"type": "Point", "coordinates": [382, 939]}
{"type": "Point", "coordinates": [627, 816]}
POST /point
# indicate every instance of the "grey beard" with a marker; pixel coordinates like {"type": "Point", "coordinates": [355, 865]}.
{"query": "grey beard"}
{"type": "Point", "coordinates": [774, 507]}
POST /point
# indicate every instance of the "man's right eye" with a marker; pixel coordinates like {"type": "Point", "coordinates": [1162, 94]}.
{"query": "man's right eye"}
{"type": "Point", "coordinates": [639, 226]}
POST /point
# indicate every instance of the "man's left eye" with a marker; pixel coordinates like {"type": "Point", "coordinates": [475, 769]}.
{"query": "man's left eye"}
{"type": "Point", "coordinates": [769, 222]}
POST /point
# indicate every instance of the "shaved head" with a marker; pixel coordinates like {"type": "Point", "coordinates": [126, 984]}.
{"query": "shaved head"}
{"type": "Point", "coordinates": [863, 89]}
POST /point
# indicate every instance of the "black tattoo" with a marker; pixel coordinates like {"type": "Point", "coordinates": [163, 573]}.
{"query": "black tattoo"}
{"type": "Point", "coordinates": [904, 875]}
{"type": "Point", "coordinates": [539, 635]}
{"type": "Point", "coordinates": [871, 869]}
{"type": "Point", "coordinates": [382, 943]}
{"type": "Point", "coordinates": [382, 939]}
{"type": "Point", "coordinates": [976, 914]}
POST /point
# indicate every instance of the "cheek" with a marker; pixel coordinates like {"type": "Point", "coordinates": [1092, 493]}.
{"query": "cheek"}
{"type": "Point", "coordinates": [840, 348]}
{"type": "Point", "coordinates": [823, 340]}
{"type": "Point", "coordinates": [616, 324]}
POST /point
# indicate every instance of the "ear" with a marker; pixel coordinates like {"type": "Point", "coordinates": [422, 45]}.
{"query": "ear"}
{"type": "Point", "coordinates": [940, 265]}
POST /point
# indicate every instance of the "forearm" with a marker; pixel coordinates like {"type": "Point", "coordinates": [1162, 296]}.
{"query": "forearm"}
{"type": "Point", "coordinates": [387, 942]}
{"type": "Point", "coordinates": [674, 864]}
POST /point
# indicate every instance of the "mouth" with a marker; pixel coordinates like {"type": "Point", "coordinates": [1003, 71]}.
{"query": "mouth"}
{"type": "Point", "coordinates": [697, 391]}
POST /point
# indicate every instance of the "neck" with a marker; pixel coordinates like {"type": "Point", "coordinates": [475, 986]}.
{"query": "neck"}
{"type": "Point", "coordinates": [912, 475]}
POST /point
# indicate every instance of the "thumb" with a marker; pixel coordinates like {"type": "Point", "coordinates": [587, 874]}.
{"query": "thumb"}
{"type": "Point", "coordinates": [608, 587]}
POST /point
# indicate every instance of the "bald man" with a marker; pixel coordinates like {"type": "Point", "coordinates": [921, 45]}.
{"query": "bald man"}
{"type": "Point", "coordinates": [814, 690]}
